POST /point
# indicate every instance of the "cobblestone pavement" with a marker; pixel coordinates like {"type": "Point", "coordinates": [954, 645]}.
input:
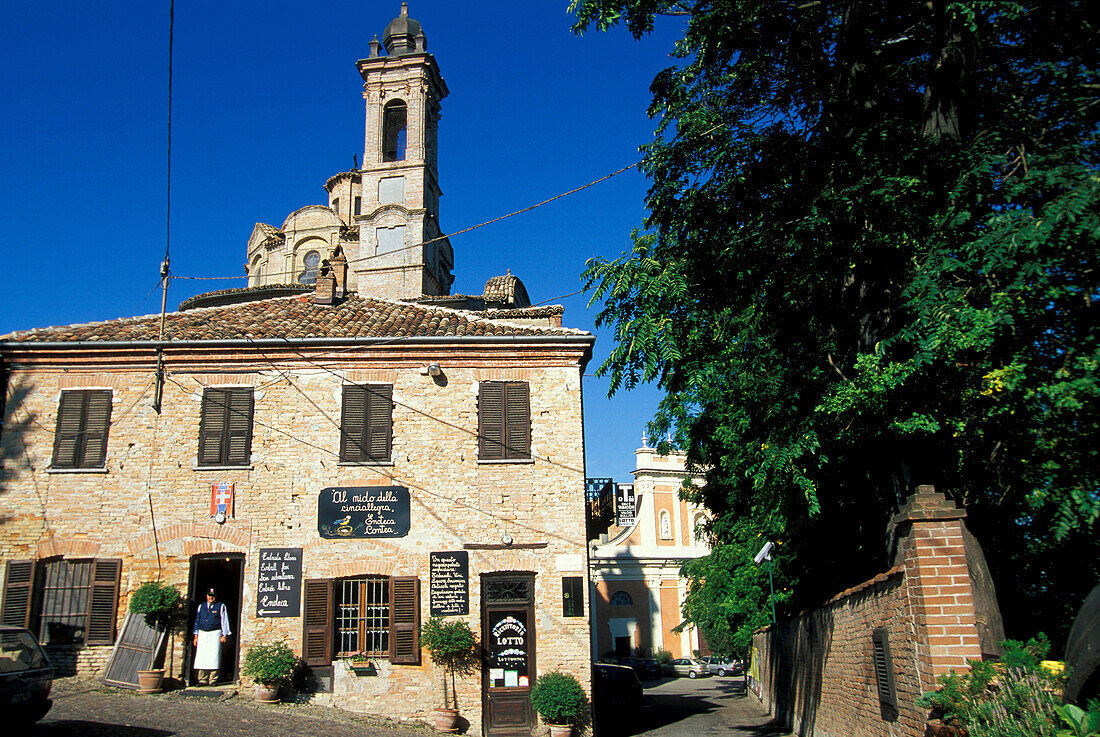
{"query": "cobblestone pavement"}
{"type": "Point", "coordinates": [90, 709]}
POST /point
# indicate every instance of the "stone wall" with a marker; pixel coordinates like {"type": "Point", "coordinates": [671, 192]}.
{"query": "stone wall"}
{"type": "Point", "coordinates": [457, 502]}
{"type": "Point", "coordinates": [816, 672]}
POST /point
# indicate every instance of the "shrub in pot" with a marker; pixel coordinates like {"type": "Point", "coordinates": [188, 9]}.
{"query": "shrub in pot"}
{"type": "Point", "coordinates": [559, 701]}
{"type": "Point", "coordinates": [451, 644]}
{"type": "Point", "coordinates": [270, 666]}
{"type": "Point", "coordinates": [159, 603]}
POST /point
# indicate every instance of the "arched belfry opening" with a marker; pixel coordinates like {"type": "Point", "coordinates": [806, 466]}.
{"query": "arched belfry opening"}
{"type": "Point", "coordinates": [394, 125]}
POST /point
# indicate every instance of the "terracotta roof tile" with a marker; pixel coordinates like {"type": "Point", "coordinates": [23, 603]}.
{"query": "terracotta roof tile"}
{"type": "Point", "coordinates": [295, 318]}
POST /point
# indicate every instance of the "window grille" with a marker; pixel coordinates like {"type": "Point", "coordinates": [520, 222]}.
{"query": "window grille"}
{"type": "Point", "coordinates": [621, 598]}
{"type": "Point", "coordinates": [363, 616]}
{"type": "Point", "coordinates": [66, 589]}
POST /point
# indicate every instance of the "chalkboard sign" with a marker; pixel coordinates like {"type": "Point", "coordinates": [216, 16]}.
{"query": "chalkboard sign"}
{"type": "Point", "coordinates": [449, 592]}
{"type": "Point", "coordinates": [508, 645]}
{"type": "Point", "coordinates": [279, 583]}
{"type": "Point", "coordinates": [363, 511]}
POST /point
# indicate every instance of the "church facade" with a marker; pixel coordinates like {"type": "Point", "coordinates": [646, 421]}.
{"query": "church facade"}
{"type": "Point", "coordinates": [343, 448]}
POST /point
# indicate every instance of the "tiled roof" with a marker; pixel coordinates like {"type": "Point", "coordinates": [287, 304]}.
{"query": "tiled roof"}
{"type": "Point", "coordinates": [293, 318]}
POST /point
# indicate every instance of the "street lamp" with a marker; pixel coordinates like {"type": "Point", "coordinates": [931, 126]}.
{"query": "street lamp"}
{"type": "Point", "coordinates": [765, 554]}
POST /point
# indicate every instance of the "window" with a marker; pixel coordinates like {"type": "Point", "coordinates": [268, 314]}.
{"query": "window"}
{"type": "Point", "coordinates": [311, 261]}
{"type": "Point", "coordinates": [572, 596]}
{"type": "Point", "coordinates": [376, 615]}
{"type": "Point", "coordinates": [336, 205]}
{"type": "Point", "coordinates": [66, 601]}
{"type": "Point", "coordinates": [393, 131]}
{"type": "Point", "coordinates": [358, 205]}
{"type": "Point", "coordinates": [666, 525]}
{"type": "Point", "coordinates": [256, 272]}
{"type": "Point", "coordinates": [621, 598]}
{"type": "Point", "coordinates": [366, 423]}
{"type": "Point", "coordinates": [83, 419]}
{"type": "Point", "coordinates": [225, 430]}
{"type": "Point", "coordinates": [504, 420]}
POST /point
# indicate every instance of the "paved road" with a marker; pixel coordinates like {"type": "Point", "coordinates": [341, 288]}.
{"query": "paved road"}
{"type": "Point", "coordinates": [87, 709]}
{"type": "Point", "coordinates": [703, 707]}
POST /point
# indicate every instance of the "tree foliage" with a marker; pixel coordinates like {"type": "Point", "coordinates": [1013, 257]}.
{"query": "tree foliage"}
{"type": "Point", "coordinates": [871, 261]}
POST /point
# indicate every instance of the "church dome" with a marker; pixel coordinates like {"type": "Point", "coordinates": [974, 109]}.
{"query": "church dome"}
{"type": "Point", "coordinates": [400, 36]}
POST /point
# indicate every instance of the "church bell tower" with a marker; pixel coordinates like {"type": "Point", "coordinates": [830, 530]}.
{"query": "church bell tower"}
{"type": "Point", "coordinates": [402, 253]}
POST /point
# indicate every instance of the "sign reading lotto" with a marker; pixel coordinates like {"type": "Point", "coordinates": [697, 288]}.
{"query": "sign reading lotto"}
{"type": "Point", "coordinates": [363, 511]}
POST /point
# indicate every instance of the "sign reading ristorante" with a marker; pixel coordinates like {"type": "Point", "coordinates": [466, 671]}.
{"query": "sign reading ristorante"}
{"type": "Point", "coordinates": [363, 511]}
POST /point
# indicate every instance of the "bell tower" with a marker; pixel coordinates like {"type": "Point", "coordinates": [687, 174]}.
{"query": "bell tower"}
{"type": "Point", "coordinates": [399, 254]}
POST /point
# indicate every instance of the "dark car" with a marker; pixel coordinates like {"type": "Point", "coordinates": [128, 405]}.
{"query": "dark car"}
{"type": "Point", "coordinates": [647, 668]}
{"type": "Point", "coordinates": [26, 677]}
{"type": "Point", "coordinates": [617, 693]}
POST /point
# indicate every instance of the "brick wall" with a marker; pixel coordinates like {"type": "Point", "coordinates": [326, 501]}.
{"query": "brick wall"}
{"type": "Point", "coordinates": [816, 671]}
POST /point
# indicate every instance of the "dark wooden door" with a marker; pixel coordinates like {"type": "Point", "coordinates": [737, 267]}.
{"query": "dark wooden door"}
{"type": "Point", "coordinates": [507, 605]}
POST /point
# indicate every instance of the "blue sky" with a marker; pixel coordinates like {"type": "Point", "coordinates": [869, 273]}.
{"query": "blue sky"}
{"type": "Point", "coordinates": [266, 106]}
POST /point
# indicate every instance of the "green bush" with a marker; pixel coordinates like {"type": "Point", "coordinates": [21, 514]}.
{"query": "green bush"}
{"type": "Point", "coordinates": [664, 657]}
{"type": "Point", "coordinates": [269, 664]}
{"type": "Point", "coordinates": [157, 602]}
{"type": "Point", "coordinates": [449, 642]}
{"type": "Point", "coordinates": [1016, 697]}
{"type": "Point", "coordinates": [559, 699]}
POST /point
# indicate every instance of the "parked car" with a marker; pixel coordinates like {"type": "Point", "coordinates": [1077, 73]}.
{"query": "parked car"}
{"type": "Point", "coordinates": [647, 668]}
{"type": "Point", "coordinates": [724, 666]}
{"type": "Point", "coordinates": [687, 667]}
{"type": "Point", "coordinates": [617, 693]}
{"type": "Point", "coordinates": [26, 677]}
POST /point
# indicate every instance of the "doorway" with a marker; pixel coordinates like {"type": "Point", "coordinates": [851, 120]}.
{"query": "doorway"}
{"type": "Point", "coordinates": [508, 615]}
{"type": "Point", "coordinates": [225, 572]}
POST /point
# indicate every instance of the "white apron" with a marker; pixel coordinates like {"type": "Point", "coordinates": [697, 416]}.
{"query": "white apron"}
{"type": "Point", "coordinates": [208, 654]}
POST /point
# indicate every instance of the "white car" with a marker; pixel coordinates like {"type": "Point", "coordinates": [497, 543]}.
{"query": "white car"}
{"type": "Point", "coordinates": [687, 667]}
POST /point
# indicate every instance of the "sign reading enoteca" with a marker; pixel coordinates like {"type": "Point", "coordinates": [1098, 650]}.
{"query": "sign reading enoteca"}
{"type": "Point", "coordinates": [279, 583]}
{"type": "Point", "coordinates": [363, 511]}
{"type": "Point", "coordinates": [449, 590]}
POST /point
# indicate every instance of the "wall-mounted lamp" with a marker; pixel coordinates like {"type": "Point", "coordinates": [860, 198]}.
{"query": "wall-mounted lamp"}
{"type": "Point", "coordinates": [506, 539]}
{"type": "Point", "coordinates": [432, 369]}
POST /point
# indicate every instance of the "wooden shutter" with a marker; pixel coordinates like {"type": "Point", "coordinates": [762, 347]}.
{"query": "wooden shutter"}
{"type": "Point", "coordinates": [97, 423]}
{"type": "Point", "coordinates": [490, 420]}
{"type": "Point", "coordinates": [405, 620]}
{"type": "Point", "coordinates": [353, 414]}
{"type": "Point", "coordinates": [317, 622]}
{"type": "Point", "coordinates": [517, 420]}
{"type": "Point", "coordinates": [215, 407]}
{"type": "Point", "coordinates": [70, 428]}
{"type": "Point", "coordinates": [379, 423]}
{"type": "Point", "coordinates": [103, 606]}
{"type": "Point", "coordinates": [884, 673]}
{"type": "Point", "coordinates": [239, 431]}
{"type": "Point", "coordinates": [18, 593]}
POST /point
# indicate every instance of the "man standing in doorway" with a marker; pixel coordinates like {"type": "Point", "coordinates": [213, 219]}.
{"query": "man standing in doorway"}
{"type": "Point", "coordinates": [211, 629]}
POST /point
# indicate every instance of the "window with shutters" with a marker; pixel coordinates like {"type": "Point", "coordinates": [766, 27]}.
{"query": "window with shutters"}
{"type": "Point", "coordinates": [504, 421]}
{"type": "Point", "coordinates": [64, 600]}
{"type": "Point", "coordinates": [366, 424]}
{"type": "Point", "coordinates": [378, 616]}
{"type": "Point", "coordinates": [225, 428]}
{"type": "Point", "coordinates": [83, 420]}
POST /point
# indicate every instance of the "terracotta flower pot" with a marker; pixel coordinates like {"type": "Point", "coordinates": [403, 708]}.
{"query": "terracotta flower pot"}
{"type": "Point", "coordinates": [446, 720]}
{"type": "Point", "coordinates": [560, 730]}
{"type": "Point", "coordinates": [150, 681]}
{"type": "Point", "coordinates": [267, 693]}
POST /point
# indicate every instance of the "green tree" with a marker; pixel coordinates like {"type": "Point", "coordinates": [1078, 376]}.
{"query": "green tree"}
{"type": "Point", "coordinates": [871, 261]}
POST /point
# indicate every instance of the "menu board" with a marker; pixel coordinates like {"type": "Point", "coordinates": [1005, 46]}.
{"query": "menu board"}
{"type": "Point", "coordinates": [279, 583]}
{"type": "Point", "coordinates": [449, 590]}
{"type": "Point", "coordinates": [625, 505]}
{"type": "Point", "coordinates": [363, 511]}
{"type": "Point", "coordinates": [508, 644]}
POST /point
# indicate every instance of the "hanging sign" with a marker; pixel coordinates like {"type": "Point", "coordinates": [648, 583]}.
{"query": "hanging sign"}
{"type": "Point", "coordinates": [363, 511]}
{"type": "Point", "coordinates": [279, 583]}
{"type": "Point", "coordinates": [221, 500]}
{"type": "Point", "coordinates": [625, 505]}
{"type": "Point", "coordinates": [508, 644]}
{"type": "Point", "coordinates": [449, 590]}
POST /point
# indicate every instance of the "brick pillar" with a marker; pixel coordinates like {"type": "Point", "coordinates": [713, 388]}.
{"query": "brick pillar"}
{"type": "Point", "coordinates": [940, 593]}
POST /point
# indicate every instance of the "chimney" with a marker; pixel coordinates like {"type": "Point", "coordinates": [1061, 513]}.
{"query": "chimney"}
{"type": "Point", "coordinates": [331, 278]}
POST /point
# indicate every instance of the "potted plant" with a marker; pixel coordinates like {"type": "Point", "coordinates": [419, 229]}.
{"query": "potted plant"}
{"type": "Point", "coordinates": [158, 603]}
{"type": "Point", "coordinates": [269, 666]}
{"type": "Point", "coordinates": [559, 701]}
{"type": "Point", "coordinates": [359, 664]}
{"type": "Point", "coordinates": [450, 644]}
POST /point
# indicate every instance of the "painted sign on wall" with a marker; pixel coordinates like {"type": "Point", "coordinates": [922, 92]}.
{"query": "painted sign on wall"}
{"type": "Point", "coordinates": [449, 590]}
{"type": "Point", "coordinates": [508, 646]}
{"type": "Point", "coordinates": [363, 511]}
{"type": "Point", "coordinates": [279, 583]}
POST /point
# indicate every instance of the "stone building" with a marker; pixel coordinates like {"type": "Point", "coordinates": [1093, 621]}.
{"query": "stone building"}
{"type": "Point", "coordinates": [637, 591]}
{"type": "Point", "coordinates": [342, 454]}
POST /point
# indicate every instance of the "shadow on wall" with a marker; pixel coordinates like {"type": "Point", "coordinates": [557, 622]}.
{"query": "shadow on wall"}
{"type": "Point", "coordinates": [625, 599]}
{"type": "Point", "coordinates": [797, 664]}
{"type": "Point", "coordinates": [13, 452]}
